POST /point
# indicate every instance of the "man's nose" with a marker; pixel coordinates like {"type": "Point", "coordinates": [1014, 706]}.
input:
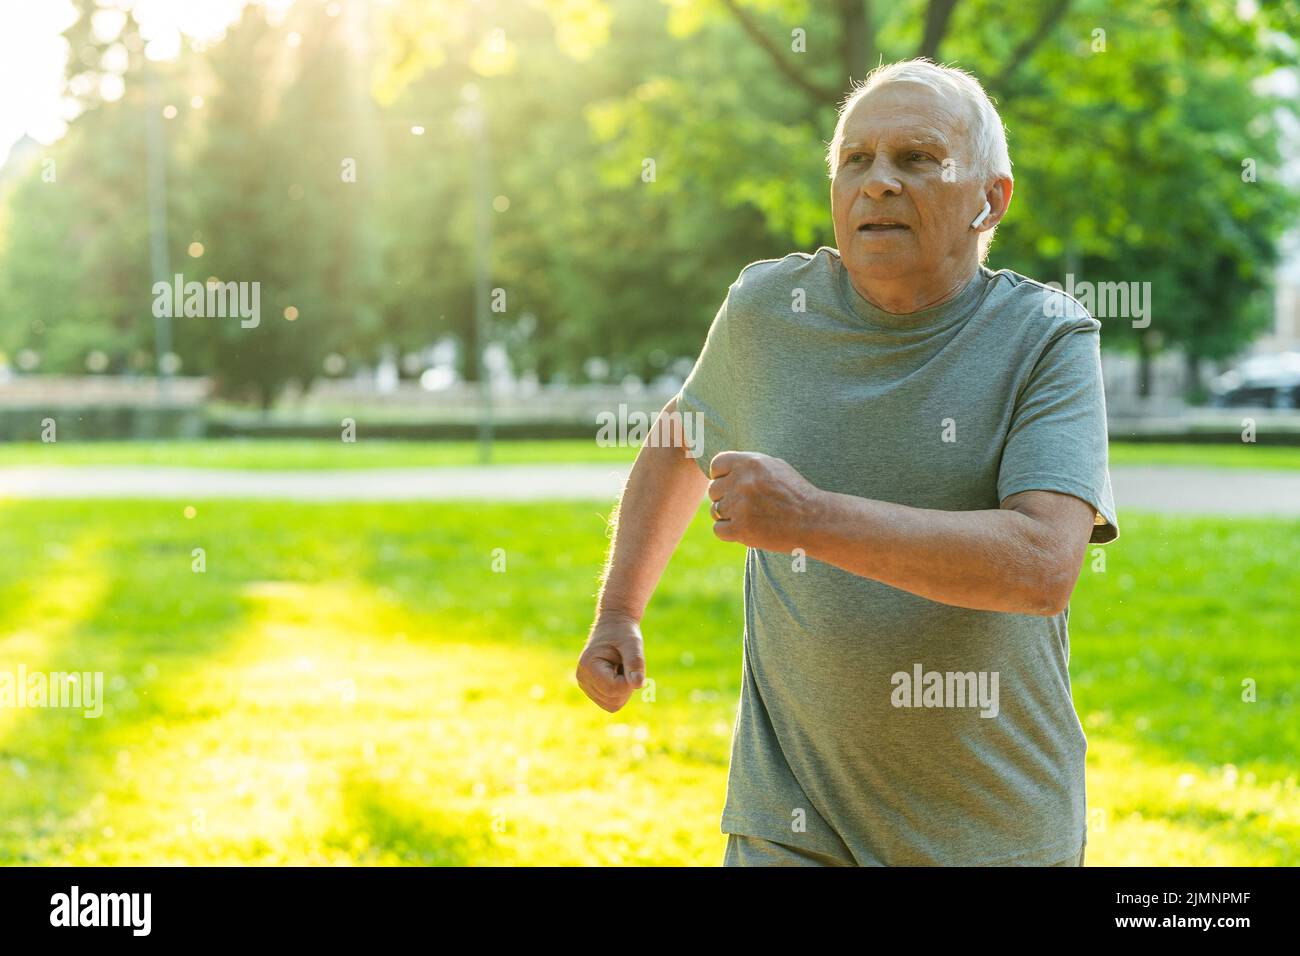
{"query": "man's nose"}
{"type": "Point", "coordinates": [881, 180]}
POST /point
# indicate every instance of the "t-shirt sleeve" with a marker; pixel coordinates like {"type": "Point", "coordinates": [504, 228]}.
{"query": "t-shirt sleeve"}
{"type": "Point", "coordinates": [709, 394]}
{"type": "Point", "coordinates": [1057, 440]}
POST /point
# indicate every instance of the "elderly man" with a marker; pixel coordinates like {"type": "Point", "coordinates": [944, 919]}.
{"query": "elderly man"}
{"type": "Point", "coordinates": [913, 449]}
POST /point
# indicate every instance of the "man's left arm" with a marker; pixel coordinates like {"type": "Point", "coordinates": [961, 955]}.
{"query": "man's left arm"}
{"type": "Point", "coordinates": [1024, 557]}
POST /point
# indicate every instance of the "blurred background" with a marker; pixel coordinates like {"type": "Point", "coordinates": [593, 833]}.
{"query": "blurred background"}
{"type": "Point", "coordinates": [336, 566]}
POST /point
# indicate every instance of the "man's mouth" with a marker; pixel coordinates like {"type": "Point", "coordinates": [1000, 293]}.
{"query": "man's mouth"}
{"type": "Point", "coordinates": [882, 225]}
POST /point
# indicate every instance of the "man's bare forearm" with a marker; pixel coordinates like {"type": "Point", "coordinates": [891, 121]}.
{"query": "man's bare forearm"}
{"type": "Point", "coordinates": [993, 560]}
{"type": "Point", "coordinates": [662, 494]}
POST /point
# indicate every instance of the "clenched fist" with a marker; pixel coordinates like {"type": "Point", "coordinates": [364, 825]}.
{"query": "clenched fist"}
{"type": "Point", "coordinates": [612, 664]}
{"type": "Point", "coordinates": [761, 501]}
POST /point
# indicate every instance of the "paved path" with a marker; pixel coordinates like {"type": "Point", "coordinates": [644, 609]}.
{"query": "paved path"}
{"type": "Point", "coordinates": [1155, 488]}
{"type": "Point", "coordinates": [495, 482]}
{"type": "Point", "coordinates": [1225, 491]}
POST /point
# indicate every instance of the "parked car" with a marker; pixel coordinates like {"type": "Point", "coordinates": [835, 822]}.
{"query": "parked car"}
{"type": "Point", "coordinates": [1264, 381]}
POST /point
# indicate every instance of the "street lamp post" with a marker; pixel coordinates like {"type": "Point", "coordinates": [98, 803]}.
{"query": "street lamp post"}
{"type": "Point", "coordinates": [475, 121]}
{"type": "Point", "coordinates": [158, 259]}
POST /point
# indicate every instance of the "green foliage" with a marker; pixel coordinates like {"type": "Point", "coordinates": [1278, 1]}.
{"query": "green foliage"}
{"type": "Point", "coordinates": [1128, 161]}
{"type": "Point", "coordinates": [76, 265]}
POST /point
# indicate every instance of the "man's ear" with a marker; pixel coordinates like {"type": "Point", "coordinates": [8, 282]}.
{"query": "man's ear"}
{"type": "Point", "coordinates": [998, 196]}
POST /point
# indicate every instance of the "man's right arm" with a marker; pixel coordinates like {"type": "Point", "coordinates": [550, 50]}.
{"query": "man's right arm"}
{"type": "Point", "coordinates": [662, 494]}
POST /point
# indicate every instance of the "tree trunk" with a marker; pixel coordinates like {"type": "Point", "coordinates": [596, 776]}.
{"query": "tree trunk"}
{"type": "Point", "coordinates": [937, 15]}
{"type": "Point", "coordinates": [544, 366]}
{"type": "Point", "coordinates": [1144, 367]}
{"type": "Point", "coordinates": [1192, 384]}
{"type": "Point", "coordinates": [857, 39]}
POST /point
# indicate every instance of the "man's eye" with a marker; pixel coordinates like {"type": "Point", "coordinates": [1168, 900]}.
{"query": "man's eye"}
{"type": "Point", "coordinates": [916, 156]}
{"type": "Point", "coordinates": [853, 157]}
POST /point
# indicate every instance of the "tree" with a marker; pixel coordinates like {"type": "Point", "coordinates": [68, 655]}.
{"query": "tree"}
{"type": "Point", "coordinates": [1128, 128]}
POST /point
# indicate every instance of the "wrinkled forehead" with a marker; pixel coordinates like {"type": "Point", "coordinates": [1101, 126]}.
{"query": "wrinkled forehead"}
{"type": "Point", "coordinates": [906, 110]}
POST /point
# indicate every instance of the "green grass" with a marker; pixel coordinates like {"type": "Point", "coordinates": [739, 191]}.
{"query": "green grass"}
{"type": "Point", "coordinates": [1243, 455]}
{"type": "Point", "coordinates": [355, 684]}
{"type": "Point", "coordinates": [306, 454]}
{"type": "Point", "coordinates": [316, 454]}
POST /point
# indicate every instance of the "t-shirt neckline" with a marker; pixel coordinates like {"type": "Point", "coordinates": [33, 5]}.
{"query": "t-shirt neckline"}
{"type": "Point", "coordinates": [955, 308]}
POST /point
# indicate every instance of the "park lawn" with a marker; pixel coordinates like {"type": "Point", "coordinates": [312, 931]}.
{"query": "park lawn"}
{"type": "Point", "coordinates": [1240, 455]}
{"type": "Point", "coordinates": [357, 684]}
{"type": "Point", "coordinates": [310, 454]}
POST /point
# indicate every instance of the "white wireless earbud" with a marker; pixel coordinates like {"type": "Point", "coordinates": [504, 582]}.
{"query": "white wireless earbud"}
{"type": "Point", "coordinates": [975, 223]}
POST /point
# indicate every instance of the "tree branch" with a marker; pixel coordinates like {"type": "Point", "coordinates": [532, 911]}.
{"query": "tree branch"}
{"type": "Point", "coordinates": [821, 94]}
{"type": "Point", "coordinates": [1027, 46]}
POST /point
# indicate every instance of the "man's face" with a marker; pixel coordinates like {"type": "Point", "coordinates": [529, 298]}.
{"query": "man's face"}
{"type": "Point", "coordinates": [892, 170]}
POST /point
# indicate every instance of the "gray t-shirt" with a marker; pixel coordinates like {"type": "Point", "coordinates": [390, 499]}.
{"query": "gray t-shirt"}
{"type": "Point", "coordinates": [875, 725]}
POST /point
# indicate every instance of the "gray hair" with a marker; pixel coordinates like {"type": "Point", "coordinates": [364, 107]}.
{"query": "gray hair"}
{"type": "Point", "coordinates": [988, 137]}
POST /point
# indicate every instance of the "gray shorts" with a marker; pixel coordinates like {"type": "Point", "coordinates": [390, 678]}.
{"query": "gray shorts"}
{"type": "Point", "coordinates": [755, 851]}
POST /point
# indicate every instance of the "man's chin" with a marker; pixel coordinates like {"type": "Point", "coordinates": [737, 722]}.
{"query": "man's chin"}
{"type": "Point", "coordinates": [879, 264]}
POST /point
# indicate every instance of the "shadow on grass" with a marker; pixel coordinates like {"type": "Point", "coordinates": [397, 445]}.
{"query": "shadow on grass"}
{"type": "Point", "coordinates": [378, 828]}
{"type": "Point", "coordinates": [129, 606]}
